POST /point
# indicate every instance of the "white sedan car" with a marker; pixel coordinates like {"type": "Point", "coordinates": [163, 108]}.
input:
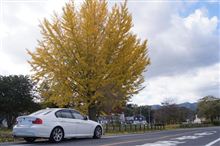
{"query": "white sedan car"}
{"type": "Point", "coordinates": [56, 124]}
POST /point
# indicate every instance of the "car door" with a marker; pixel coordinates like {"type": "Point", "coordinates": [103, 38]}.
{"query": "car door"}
{"type": "Point", "coordinates": [67, 121]}
{"type": "Point", "coordinates": [84, 127]}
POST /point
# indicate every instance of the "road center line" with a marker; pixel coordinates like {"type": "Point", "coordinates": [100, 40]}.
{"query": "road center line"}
{"type": "Point", "coordinates": [213, 142]}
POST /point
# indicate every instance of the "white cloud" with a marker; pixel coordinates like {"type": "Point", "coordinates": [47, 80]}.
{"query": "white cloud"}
{"type": "Point", "coordinates": [30, 16]}
{"type": "Point", "coordinates": [19, 31]}
{"type": "Point", "coordinates": [3, 30]}
{"type": "Point", "coordinates": [8, 67]}
{"type": "Point", "coordinates": [151, 18]}
{"type": "Point", "coordinates": [187, 87]}
{"type": "Point", "coordinates": [182, 57]}
{"type": "Point", "coordinates": [188, 43]}
{"type": "Point", "coordinates": [199, 21]}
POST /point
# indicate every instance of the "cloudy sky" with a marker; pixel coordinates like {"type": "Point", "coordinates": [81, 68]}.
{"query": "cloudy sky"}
{"type": "Point", "coordinates": [183, 39]}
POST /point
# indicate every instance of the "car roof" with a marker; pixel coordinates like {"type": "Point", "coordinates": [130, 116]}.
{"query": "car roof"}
{"type": "Point", "coordinates": [57, 109]}
{"type": "Point", "coordinates": [49, 110]}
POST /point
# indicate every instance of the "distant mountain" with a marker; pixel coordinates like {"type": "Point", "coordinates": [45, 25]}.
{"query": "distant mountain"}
{"type": "Point", "coordinates": [155, 107]}
{"type": "Point", "coordinates": [191, 106]}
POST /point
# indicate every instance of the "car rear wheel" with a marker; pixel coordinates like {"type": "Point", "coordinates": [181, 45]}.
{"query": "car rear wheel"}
{"type": "Point", "coordinates": [97, 132]}
{"type": "Point", "coordinates": [57, 134]}
{"type": "Point", "coordinates": [29, 139]}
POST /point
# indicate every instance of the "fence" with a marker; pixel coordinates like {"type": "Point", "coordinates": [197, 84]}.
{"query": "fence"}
{"type": "Point", "coordinates": [117, 128]}
{"type": "Point", "coordinates": [195, 125]}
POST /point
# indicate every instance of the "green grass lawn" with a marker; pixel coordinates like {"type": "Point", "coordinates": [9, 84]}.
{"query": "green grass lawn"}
{"type": "Point", "coordinates": [172, 126]}
{"type": "Point", "coordinates": [6, 135]}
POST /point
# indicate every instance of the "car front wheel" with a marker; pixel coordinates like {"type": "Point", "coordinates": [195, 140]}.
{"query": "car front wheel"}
{"type": "Point", "coordinates": [97, 132]}
{"type": "Point", "coordinates": [57, 134]}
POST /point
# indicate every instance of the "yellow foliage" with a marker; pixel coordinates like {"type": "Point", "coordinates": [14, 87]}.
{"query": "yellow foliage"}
{"type": "Point", "coordinates": [89, 57]}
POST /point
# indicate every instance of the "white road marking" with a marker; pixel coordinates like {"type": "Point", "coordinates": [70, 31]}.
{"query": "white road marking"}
{"type": "Point", "coordinates": [179, 140]}
{"type": "Point", "coordinates": [187, 137]}
{"type": "Point", "coordinates": [205, 133]}
{"type": "Point", "coordinates": [213, 142]}
{"type": "Point", "coordinates": [162, 143]}
{"type": "Point", "coordinates": [196, 135]}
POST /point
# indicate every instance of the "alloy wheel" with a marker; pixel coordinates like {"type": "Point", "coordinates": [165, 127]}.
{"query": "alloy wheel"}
{"type": "Point", "coordinates": [57, 134]}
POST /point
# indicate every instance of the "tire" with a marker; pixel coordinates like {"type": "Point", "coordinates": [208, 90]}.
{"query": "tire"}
{"type": "Point", "coordinates": [29, 139]}
{"type": "Point", "coordinates": [97, 132]}
{"type": "Point", "coordinates": [56, 135]}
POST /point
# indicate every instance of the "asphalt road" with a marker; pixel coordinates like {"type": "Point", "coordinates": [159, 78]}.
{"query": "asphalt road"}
{"type": "Point", "coordinates": [181, 137]}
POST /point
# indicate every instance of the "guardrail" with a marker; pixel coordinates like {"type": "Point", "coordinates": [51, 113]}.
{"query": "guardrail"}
{"type": "Point", "coordinates": [117, 128]}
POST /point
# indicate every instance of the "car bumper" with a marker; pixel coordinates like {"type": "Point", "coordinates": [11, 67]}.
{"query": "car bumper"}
{"type": "Point", "coordinates": [32, 131]}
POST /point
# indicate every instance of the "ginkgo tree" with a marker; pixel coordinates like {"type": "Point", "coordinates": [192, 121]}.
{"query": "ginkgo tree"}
{"type": "Point", "coordinates": [88, 58]}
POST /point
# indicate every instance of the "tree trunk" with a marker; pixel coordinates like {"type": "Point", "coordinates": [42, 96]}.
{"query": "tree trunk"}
{"type": "Point", "coordinates": [212, 119]}
{"type": "Point", "coordinates": [92, 111]}
{"type": "Point", "coordinates": [10, 121]}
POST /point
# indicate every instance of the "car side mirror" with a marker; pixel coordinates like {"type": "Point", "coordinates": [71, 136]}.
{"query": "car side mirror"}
{"type": "Point", "coordinates": [86, 118]}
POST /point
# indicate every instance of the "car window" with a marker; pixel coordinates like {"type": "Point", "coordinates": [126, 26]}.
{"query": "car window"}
{"type": "Point", "coordinates": [58, 114]}
{"type": "Point", "coordinates": [64, 114]}
{"type": "Point", "coordinates": [77, 115]}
